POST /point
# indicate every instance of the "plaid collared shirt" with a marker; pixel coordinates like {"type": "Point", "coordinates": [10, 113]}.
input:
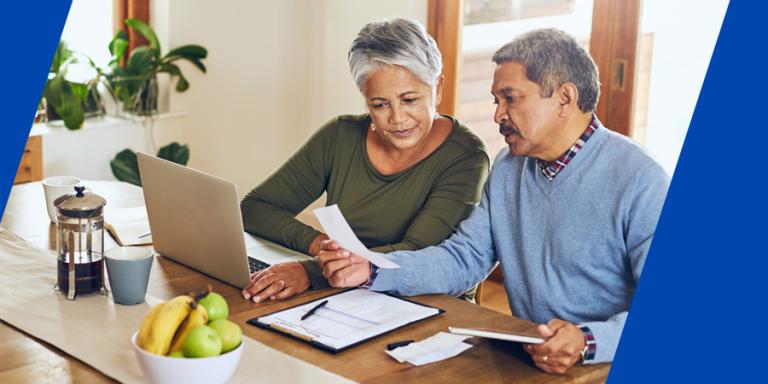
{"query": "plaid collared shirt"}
{"type": "Point", "coordinates": [552, 168]}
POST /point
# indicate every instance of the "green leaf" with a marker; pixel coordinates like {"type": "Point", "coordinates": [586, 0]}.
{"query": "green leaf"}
{"type": "Point", "coordinates": [190, 50]}
{"type": "Point", "coordinates": [61, 57]}
{"type": "Point", "coordinates": [141, 60]}
{"type": "Point", "coordinates": [146, 31]}
{"type": "Point", "coordinates": [197, 63]}
{"type": "Point", "coordinates": [175, 152]}
{"type": "Point", "coordinates": [182, 84]}
{"type": "Point", "coordinates": [125, 167]}
{"type": "Point", "coordinates": [117, 47]}
{"type": "Point", "coordinates": [54, 90]}
{"type": "Point", "coordinates": [71, 111]}
{"type": "Point", "coordinates": [80, 91]}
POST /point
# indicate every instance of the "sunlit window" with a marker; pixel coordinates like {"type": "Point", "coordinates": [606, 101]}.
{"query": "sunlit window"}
{"type": "Point", "coordinates": [88, 30]}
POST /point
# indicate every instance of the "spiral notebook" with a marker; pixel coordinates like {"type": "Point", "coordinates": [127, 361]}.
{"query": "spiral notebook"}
{"type": "Point", "coordinates": [347, 319]}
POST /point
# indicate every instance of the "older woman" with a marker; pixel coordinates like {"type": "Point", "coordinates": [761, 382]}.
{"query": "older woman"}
{"type": "Point", "coordinates": [403, 175]}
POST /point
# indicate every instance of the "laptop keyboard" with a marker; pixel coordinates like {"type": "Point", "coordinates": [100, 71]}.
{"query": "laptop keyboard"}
{"type": "Point", "coordinates": [256, 265]}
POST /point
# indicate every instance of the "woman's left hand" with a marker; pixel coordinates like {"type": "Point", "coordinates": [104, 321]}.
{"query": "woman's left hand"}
{"type": "Point", "coordinates": [277, 282]}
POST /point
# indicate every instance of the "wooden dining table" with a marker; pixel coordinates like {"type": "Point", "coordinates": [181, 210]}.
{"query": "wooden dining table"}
{"type": "Point", "coordinates": [25, 358]}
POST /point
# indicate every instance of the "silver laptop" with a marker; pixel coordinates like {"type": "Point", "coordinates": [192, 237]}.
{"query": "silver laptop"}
{"type": "Point", "coordinates": [195, 219]}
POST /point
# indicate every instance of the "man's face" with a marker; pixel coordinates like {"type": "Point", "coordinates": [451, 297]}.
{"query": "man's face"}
{"type": "Point", "coordinates": [527, 121]}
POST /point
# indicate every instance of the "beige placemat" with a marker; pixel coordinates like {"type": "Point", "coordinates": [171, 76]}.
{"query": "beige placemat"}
{"type": "Point", "coordinates": [97, 332]}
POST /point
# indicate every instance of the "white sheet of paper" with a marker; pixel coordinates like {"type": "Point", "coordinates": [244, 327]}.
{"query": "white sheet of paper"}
{"type": "Point", "coordinates": [350, 317]}
{"type": "Point", "coordinates": [336, 227]}
{"type": "Point", "coordinates": [129, 226]}
{"type": "Point", "coordinates": [438, 347]}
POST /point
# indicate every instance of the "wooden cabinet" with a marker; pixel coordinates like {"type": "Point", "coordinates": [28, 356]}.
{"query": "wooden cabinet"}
{"type": "Point", "coordinates": [31, 165]}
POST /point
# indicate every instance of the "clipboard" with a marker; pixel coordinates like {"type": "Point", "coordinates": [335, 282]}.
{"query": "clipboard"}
{"type": "Point", "coordinates": [339, 325]}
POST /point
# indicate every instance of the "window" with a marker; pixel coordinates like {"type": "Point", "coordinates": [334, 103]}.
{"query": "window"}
{"type": "Point", "coordinates": [88, 30]}
{"type": "Point", "coordinates": [485, 31]}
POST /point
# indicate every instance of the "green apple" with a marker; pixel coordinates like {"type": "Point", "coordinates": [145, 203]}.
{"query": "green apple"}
{"type": "Point", "coordinates": [216, 305]}
{"type": "Point", "coordinates": [178, 354]}
{"type": "Point", "coordinates": [230, 333]}
{"type": "Point", "coordinates": [202, 341]}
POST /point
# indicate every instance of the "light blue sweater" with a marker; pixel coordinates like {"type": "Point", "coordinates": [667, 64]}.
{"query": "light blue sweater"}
{"type": "Point", "coordinates": [572, 248]}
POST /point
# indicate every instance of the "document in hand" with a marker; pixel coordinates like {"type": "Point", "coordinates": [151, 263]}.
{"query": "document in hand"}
{"type": "Point", "coordinates": [337, 228]}
{"type": "Point", "coordinates": [347, 319]}
{"type": "Point", "coordinates": [496, 334]}
{"type": "Point", "coordinates": [129, 226]}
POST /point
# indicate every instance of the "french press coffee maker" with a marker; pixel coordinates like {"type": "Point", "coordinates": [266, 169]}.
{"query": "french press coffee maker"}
{"type": "Point", "coordinates": [80, 243]}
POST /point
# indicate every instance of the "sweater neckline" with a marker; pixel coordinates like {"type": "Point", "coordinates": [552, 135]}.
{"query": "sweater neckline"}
{"type": "Point", "coordinates": [379, 175]}
{"type": "Point", "coordinates": [584, 155]}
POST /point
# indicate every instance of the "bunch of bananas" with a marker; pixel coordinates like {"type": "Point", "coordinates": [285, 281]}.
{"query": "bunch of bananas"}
{"type": "Point", "coordinates": [167, 325]}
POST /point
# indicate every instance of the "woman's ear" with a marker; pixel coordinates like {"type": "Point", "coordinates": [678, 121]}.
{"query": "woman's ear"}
{"type": "Point", "coordinates": [439, 89]}
{"type": "Point", "coordinates": [568, 97]}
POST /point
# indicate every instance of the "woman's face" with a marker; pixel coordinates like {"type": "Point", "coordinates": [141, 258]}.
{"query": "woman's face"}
{"type": "Point", "coordinates": [402, 106]}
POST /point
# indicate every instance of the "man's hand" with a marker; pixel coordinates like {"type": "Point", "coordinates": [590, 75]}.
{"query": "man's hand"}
{"type": "Point", "coordinates": [562, 348]}
{"type": "Point", "coordinates": [342, 268]}
{"type": "Point", "coordinates": [277, 282]}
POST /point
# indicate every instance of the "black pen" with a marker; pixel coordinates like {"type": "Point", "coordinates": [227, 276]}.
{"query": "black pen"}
{"type": "Point", "coordinates": [144, 235]}
{"type": "Point", "coordinates": [398, 344]}
{"type": "Point", "coordinates": [313, 310]}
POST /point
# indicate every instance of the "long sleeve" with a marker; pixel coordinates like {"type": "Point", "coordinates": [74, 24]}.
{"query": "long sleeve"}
{"type": "Point", "coordinates": [640, 225]}
{"type": "Point", "coordinates": [451, 200]}
{"type": "Point", "coordinates": [452, 267]}
{"type": "Point", "coordinates": [269, 209]}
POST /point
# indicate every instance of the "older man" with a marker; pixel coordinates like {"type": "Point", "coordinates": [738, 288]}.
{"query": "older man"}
{"type": "Point", "coordinates": [569, 211]}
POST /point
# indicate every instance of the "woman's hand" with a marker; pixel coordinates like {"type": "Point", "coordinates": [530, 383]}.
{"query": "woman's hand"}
{"type": "Point", "coordinates": [317, 244]}
{"type": "Point", "coordinates": [277, 282]}
{"type": "Point", "coordinates": [341, 268]}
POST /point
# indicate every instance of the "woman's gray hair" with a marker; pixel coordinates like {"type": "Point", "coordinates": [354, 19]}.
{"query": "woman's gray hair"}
{"type": "Point", "coordinates": [397, 41]}
{"type": "Point", "coordinates": [551, 58]}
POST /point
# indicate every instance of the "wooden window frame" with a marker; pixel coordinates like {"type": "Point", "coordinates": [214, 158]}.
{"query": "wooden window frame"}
{"type": "Point", "coordinates": [133, 9]}
{"type": "Point", "coordinates": [613, 45]}
{"type": "Point", "coordinates": [444, 22]}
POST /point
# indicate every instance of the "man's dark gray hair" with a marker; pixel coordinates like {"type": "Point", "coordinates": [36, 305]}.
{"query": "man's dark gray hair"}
{"type": "Point", "coordinates": [397, 41]}
{"type": "Point", "coordinates": [551, 58]}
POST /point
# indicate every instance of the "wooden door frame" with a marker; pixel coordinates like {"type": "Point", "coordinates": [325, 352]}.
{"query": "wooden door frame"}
{"type": "Point", "coordinates": [613, 45]}
{"type": "Point", "coordinates": [444, 21]}
{"type": "Point", "coordinates": [134, 9]}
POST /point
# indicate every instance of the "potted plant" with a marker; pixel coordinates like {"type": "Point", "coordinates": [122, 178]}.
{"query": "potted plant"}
{"type": "Point", "coordinates": [72, 101]}
{"type": "Point", "coordinates": [135, 83]}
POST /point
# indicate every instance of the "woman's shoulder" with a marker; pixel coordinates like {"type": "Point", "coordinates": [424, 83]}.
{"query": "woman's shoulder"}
{"type": "Point", "coordinates": [347, 123]}
{"type": "Point", "coordinates": [344, 127]}
{"type": "Point", "coordinates": [463, 141]}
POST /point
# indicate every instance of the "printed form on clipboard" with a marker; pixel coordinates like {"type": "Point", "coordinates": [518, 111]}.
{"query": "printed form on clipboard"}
{"type": "Point", "coordinates": [347, 319]}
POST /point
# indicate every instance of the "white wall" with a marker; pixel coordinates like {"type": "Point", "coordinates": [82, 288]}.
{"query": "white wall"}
{"type": "Point", "coordinates": [276, 71]}
{"type": "Point", "coordinates": [681, 55]}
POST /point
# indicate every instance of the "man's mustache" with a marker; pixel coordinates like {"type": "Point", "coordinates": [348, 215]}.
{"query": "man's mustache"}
{"type": "Point", "coordinates": [506, 130]}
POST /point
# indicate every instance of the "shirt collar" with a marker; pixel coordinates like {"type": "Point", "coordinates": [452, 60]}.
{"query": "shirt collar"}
{"type": "Point", "coordinates": [550, 169]}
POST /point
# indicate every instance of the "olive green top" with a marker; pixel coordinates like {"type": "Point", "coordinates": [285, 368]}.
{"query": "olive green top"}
{"type": "Point", "coordinates": [411, 209]}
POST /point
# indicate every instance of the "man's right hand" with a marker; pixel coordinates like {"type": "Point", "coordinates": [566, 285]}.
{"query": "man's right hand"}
{"type": "Point", "coordinates": [342, 268]}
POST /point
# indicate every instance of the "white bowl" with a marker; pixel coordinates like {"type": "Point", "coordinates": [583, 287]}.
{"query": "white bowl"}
{"type": "Point", "coordinates": [163, 369]}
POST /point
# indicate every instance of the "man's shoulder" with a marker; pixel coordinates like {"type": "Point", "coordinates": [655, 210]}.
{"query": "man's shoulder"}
{"type": "Point", "coordinates": [625, 163]}
{"type": "Point", "coordinates": [627, 155]}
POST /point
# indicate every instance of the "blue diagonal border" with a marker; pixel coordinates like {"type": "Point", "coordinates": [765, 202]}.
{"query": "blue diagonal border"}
{"type": "Point", "coordinates": [697, 316]}
{"type": "Point", "coordinates": [31, 31]}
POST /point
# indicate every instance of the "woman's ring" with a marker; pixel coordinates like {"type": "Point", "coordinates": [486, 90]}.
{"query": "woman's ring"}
{"type": "Point", "coordinates": [545, 358]}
